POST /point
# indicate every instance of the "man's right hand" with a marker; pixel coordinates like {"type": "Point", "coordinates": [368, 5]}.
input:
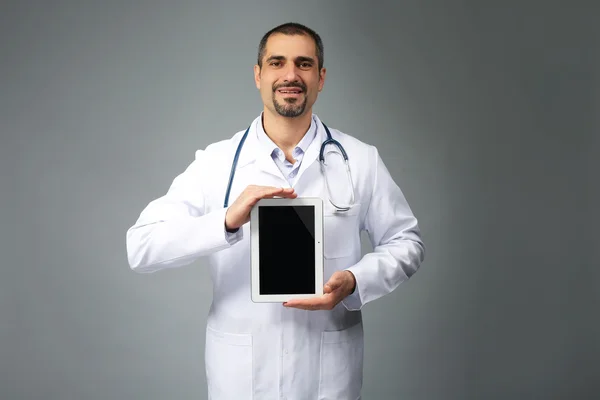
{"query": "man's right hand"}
{"type": "Point", "coordinates": [239, 212]}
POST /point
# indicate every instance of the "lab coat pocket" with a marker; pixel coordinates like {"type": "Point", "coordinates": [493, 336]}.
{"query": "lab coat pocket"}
{"type": "Point", "coordinates": [341, 232]}
{"type": "Point", "coordinates": [341, 364]}
{"type": "Point", "coordinates": [228, 365]}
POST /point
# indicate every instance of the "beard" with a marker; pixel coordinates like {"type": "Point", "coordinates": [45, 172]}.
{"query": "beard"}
{"type": "Point", "coordinates": [291, 107]}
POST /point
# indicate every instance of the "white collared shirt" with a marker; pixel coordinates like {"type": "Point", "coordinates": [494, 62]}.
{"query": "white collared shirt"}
{"type": "Point", "coordinates": [289, 170]}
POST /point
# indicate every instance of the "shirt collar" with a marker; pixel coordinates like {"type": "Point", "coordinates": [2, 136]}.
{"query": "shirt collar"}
{"type": "Point", "coordinates": [272, 148]}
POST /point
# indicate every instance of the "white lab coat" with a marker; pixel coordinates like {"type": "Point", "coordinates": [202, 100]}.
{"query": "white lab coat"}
{"type": "Point", "coordinates": [264, 350]}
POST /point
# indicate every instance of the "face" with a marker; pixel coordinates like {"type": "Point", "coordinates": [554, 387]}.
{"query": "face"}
{"type": "Point", "coordinates": [289, 80]}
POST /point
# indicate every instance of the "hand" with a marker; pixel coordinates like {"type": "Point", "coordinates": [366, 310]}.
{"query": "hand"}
{"type": "Point", "coordinates": [239, 212]}
{"type": "Point", "coordinates": [340, 285]}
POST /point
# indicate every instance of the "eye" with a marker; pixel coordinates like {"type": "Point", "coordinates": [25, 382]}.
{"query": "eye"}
{"type": "Point", "coordinates": [275, 63]}
{"type": "Point", "coordinates": [305, 65]}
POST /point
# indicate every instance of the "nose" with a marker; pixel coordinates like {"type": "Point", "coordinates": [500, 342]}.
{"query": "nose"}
{"type": "Point", "coordinates": [291, 73]}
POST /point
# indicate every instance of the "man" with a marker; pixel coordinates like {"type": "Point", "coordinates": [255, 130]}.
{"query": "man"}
{"type": "Point", "coordinates": [303, 349]}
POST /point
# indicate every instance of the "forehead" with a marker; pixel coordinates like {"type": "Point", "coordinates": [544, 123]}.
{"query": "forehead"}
{"type": "Point", "coordinates": [290, 46]}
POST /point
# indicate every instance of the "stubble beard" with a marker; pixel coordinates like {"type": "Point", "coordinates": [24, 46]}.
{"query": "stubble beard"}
{"type": "Point", "coordinates": [290, 108]}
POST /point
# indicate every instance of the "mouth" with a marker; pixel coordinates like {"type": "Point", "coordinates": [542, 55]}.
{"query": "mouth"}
{"type": "Point", "coordinates": [292, 91]}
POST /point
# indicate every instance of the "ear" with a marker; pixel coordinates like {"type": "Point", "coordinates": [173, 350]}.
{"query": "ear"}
{"type": "Point", "coordinates": [322, 78]}
{"type": "Point", "coordinates": [257, 76]}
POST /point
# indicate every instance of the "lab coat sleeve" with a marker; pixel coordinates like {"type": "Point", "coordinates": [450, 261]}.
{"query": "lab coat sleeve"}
{"type": "Point", "coordinates": [174, 230]}
{"type": "Point", "coordinates": [398, 249]}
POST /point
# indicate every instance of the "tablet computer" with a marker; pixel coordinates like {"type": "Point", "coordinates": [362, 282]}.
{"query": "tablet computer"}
{"type": "Point", "coordinates": [286, 238]}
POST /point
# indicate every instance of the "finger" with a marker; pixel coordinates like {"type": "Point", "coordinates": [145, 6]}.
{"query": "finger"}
{"type": "Point", "coordinates": [301, 307]}
{"type": "Point", "coordinates": [281, 192]}
{"type": "Point", "coordinates": [332, 286]}
{"type": "Point", "coordinates": [335, 281]}
{"type": "Point", "coordinates": [261, 192]}
{"type": "Point", "coordinates": [289, 194]}
{"type": "Point", "coordinates": [266, 192]}
{"type": "Point", "coordinates": [318, 303]}
{"type": "Point", "coordinates": [305, 303]}
{"type": "Point", "coordinates": [281, 195]}
{"type": "Point", "coordinates": [309, 307]}
{"type": "Point", "coordinates": [270, 191]}
{"type": "Point", "coordinates": [251, 202]}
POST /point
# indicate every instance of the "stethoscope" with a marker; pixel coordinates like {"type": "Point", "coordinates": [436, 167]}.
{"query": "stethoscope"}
{"type": "Point", "coordinates": [327, 141]}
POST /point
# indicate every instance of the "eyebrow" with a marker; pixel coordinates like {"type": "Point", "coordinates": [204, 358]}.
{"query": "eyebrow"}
{"type": "Point", "coordinates": [298, 59]}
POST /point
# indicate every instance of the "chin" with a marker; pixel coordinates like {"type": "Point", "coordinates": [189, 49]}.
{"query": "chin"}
{"type": "Point", "coordinates": [290, 110]}
{"type": "Point", "coordinates": [291, 113]}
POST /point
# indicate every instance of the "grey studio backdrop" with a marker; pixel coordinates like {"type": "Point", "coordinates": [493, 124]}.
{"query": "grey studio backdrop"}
{"type": "Point", "coordinates": [486, 114]}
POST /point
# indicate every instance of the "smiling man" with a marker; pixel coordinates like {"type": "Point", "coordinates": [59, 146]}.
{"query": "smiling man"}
{"type": "Point", "coordinates": [307, 348]}
{"type": "Point", "coordinates": [291, 74]}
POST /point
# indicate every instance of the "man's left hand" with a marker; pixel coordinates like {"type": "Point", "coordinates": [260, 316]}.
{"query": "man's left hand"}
{"type": "Point", "coordinates": [340, 285]}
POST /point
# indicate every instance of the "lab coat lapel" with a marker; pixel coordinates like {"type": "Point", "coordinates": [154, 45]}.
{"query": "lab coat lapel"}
{"type": "Point", "coordinates": [265, 164]}
{"type": "Point", "coordinates": [253, 151]}
{"type": "Point", "coordinates": [312, 153]}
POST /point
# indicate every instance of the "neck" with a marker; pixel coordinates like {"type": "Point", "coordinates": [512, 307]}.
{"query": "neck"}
{"type": "Point", "coordinates": [285, 132]}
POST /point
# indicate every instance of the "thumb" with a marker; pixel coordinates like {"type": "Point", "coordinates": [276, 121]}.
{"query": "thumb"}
{"type": "Point", "coordinates": [334, 282]}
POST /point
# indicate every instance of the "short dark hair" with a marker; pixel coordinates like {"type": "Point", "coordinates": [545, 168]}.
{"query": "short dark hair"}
{"type": "Point", "coordinates": [292, 28]}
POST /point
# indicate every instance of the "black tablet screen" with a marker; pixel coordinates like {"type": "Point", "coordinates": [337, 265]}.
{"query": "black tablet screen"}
{"type": "Point", "coordinates": [286, 249]}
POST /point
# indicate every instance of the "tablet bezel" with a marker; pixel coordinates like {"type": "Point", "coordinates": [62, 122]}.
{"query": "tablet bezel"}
{"type": "Point", "coordinates": [317, 204]}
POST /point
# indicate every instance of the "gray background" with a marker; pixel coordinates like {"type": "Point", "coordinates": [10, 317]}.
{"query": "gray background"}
{"type": "Point", "coordinates": [486, 113]}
